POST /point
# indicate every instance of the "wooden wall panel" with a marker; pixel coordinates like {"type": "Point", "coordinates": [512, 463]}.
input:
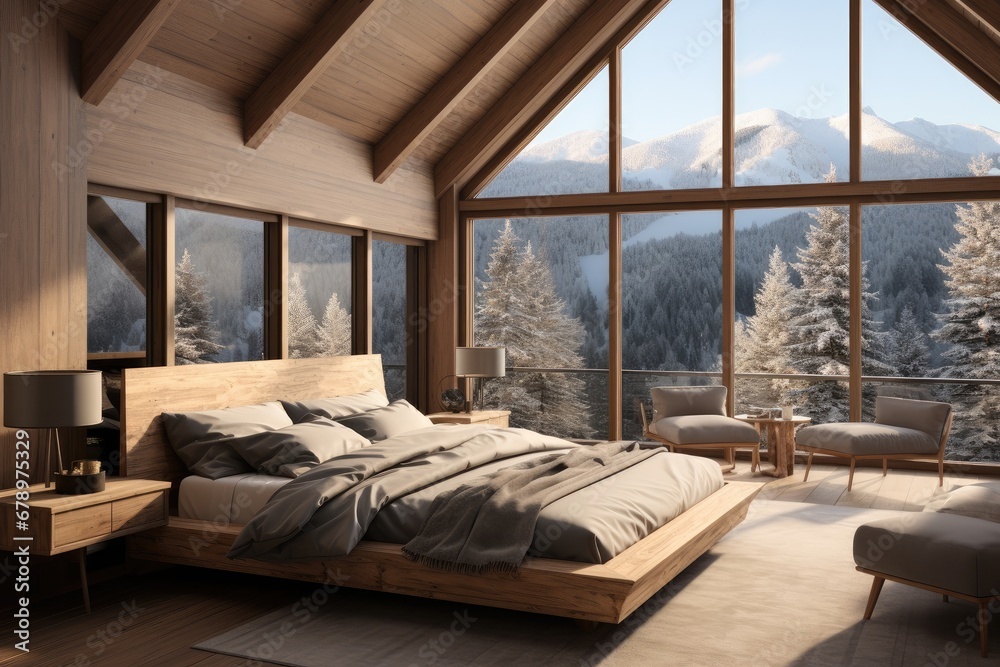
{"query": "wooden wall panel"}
{"type": "Point", "coordinates": [160, 132]}
{"type": "Point", "coordinates": [443, 297]}
{"type": "Point", "coordinates": [42, 207]}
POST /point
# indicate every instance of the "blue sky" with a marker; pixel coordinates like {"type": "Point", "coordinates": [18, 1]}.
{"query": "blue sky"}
{"type": "Point", "coordinates": [790, 54]}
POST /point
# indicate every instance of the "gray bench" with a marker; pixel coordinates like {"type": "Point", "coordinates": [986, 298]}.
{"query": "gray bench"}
{"type": "Point", "coordinates": [950, 554]}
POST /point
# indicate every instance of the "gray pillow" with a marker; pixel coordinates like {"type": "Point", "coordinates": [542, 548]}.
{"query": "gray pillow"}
{"type": "Point", "coordinates": [381, 423]}
{"type": "Point", "coordinates": [680, 401]}
{"type": "Point", "coordinates": [296, 449]}
{"type": "Point", "coordinates": [335, 408]}
{"type": "Point", "coordinates": [980, 501]}
{"type": "Point", "coordinates": [927, 416]}
{"type": "Point", "coordinates": [197, 437]}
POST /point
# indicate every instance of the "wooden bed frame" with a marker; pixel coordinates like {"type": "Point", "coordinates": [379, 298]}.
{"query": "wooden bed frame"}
{"type": "Point", "coordinates": [606, 592]}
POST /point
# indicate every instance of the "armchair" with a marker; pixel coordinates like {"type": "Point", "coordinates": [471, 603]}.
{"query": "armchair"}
{"type": "Point", "coordinates": [693, 418]}
{"type": "Point", "coordinates": [904, 429]}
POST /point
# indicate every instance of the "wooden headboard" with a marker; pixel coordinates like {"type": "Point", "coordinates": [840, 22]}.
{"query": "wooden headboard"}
{"type": "Point", "coordinates": [148, 392]}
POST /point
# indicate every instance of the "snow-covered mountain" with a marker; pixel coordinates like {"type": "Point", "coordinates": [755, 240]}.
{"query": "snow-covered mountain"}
{"type": "Point", "coordinates": [772, 147]}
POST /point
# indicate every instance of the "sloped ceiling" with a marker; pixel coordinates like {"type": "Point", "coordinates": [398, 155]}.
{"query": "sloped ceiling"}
{"type": "Point", "coordinates": [402, 48]}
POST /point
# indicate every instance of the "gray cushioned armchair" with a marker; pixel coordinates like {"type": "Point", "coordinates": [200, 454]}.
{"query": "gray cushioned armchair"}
{"type": "Point", "coordinates": [691, 418]}
{"type": "Point", "coordinates": [904, 429]}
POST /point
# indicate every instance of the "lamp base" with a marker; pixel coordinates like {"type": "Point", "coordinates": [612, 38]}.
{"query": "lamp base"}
{"type": "Point", "coordinates": [75, 485]}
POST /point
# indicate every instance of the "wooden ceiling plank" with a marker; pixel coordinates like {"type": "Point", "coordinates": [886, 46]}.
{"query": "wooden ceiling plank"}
{"type": "Point", "coordinates": [988, 11]}
{"type": "Point", "coordinates": [959, 59]}
{"type": "Point", "coordinates": [442, 99]}
{"type": "Point", "coordinates": [117, 240]}
{"type": "Point", "coordinates": [116, 42]}
{"type": "Point", "coordinates": [560, 62]}
{"type": "Point", "coordinates": [288, 83]}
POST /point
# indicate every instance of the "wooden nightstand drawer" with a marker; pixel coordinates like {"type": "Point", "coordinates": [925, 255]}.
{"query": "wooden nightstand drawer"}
{"type": "Point", "coordinates": [79, 525]}
{"type": "Point", "coordinates": [59, 523]}
{"type": "Point", "coordinates": [142, 511]}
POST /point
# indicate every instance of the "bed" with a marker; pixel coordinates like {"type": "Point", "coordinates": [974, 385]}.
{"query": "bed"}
{"type": "Point", "coordinates": [595, 592]}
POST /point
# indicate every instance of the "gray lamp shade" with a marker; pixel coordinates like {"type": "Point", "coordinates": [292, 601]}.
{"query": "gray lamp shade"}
{"type": "Point", "coordinates": [482, 362]}
{"type": "Point", "coordinates": [51, 399]}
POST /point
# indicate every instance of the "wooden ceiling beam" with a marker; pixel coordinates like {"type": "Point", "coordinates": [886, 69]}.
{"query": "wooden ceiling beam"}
{"type": "Point", "coordinates": [117, 240]}
{"type": "Point", "coordinates": [288, 83]}
{"type": "Point", "coordinates": [548, 75]}
{"type": "Point", "coordinates": [954, 37]}
{"type": "Point", "coordinates": [442, 99]}
{"type": "Point", "coordinates": [988, 11]}
{"type": "Point", "coordinates": [116, 42]}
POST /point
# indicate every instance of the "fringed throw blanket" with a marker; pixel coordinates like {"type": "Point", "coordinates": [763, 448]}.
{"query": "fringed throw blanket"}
{"type": "Point", "coordinates": [489, 526]}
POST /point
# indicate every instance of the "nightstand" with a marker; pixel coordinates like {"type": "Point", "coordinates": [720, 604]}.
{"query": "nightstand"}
{"type": "Point", "coordinates": [59, 523]}
{"type": "Point", "coordinates": [499, 418]}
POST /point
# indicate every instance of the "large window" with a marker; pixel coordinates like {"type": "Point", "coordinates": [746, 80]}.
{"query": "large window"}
{"type": "Point", "coordinates": [671, 304]}
{"type": "Point", "coordinates": [792, 83]}
{"type": "Point", "coordinates": [671, 120]}
{"type": "Point", "coordinates": [793, 311]}
{"type": "Point", "coordinates": [542, 293]}
{"type": "Point", "coordinates": [319, 293]}
{"type": "Point", "coordinates": [218, 287]}
{"type": "Point", "coordinates": [923, 118]}
{"type": "Point", "coordinates": [389, 329]}
{"type": "Point", "coordinates": [933, 279]}
{"type": "Point", "coordinates": [569, 156]}
{"type": "Point", "coordinates": [909, 314]}
{"type": "Point", "coordinates": [116, 276]}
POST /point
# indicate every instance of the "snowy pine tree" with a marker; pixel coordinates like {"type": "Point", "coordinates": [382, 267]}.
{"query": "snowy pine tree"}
{"type": "Point", "coordinates": [195, 335]}
{"type": "Point", "coordinates": [819, 322]}
{"type": "Point", "coordinates": [557, 340]}
{"type": "Point", "coordinates": [907, 351]}
{"type": "Point", "coordinates": [518, 308]}
{"type": "Point", "coordinates": [971, 324]}
{"type": "Point", "coordinates": [761, 342]}
{"type": "Point", "coordinates": [303, 341]}
{"type": "Point", "coordinates": [334, 332]}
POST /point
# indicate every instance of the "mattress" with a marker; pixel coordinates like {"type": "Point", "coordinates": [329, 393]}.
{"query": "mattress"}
{"type": "Point", "coordinates": [591, 525]}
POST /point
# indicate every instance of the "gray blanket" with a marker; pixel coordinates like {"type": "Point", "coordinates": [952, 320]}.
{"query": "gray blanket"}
{"type": "Point", "coordinates": [489, 524]}
{"type": "Point", "coordinates": [326, 511]}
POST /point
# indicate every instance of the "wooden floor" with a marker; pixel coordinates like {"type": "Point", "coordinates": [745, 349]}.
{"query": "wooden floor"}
{"type": "Point", "coordinates": [177, 607]}
{"type": "Point", "coordinates": [899, 490]}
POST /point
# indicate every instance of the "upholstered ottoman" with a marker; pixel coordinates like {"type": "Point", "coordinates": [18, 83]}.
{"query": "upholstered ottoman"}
{"type": "Point", "coordinates": [945, 553]}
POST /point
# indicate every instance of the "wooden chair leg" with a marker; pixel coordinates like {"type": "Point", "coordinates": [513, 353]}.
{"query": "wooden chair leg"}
{"type": "Point", "coordinates": [754, 459]}
{"type": "Point", "coordinates": [941, 472]}
{"type": "Point", "coordinates": [850, 476]}
{"type": "Point", "coordinates": [873, 596]}
{"type": "Point", "coordinates": [809, 465]}
{"type": "Point", "coordinates": [984, 619]}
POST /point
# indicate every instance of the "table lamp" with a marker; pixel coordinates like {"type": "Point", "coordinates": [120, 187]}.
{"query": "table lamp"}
{"type": "Point", "coordinates": [51, 400]}
{"type": "Point", "coordinates": [480, 363]}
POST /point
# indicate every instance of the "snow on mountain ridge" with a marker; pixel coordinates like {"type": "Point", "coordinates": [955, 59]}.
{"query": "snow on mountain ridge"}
{"type": "Point", "coordinates": [583, 146]}
{"type": "Point", "coordinates": [774, 146]}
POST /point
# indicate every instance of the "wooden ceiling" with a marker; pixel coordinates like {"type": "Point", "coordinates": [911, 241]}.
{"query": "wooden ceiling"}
{"type": "Point", "coordinates": [418, 79]}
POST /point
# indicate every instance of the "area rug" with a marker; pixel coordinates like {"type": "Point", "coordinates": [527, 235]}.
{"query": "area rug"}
{"type": "Point", "coordinates": [781, 589]}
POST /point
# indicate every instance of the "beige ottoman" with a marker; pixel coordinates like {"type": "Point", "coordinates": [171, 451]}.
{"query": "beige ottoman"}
{"type": "Point", "coordinates": [948, 554]}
